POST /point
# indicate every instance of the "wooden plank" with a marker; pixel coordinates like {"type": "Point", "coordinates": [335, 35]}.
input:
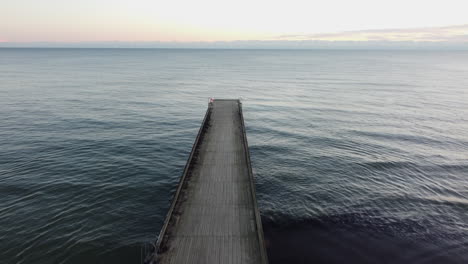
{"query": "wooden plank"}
{"type": "Point", "coordinates": [214, 216]}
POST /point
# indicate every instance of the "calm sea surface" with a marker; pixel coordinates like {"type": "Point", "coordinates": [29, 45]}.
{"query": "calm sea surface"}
{"type": "Point", "coordinates": [359, 156]}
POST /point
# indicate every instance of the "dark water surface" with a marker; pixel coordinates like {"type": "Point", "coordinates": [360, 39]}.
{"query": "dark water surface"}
{"type": "Point", "coordinates": [359, 156]}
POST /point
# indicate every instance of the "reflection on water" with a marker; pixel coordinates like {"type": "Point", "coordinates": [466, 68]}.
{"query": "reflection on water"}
{"type": "Point", "coordinates": [359, 157]}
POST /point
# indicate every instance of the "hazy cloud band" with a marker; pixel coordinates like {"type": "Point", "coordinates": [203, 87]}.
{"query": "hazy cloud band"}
{"type": "Point", "coordinates": [458, 33]}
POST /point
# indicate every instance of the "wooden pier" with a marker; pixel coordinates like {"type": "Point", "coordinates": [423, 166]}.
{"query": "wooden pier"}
{"type": "Point", "coordinates": [214, 216]}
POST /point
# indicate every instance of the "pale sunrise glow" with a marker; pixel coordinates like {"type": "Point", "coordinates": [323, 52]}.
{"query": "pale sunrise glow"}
{"type": "Point", "coordinates": [210, 20]}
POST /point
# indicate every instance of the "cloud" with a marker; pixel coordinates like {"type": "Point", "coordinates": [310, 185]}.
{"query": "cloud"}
{"type": "Point", "coordinates": [458, 33]}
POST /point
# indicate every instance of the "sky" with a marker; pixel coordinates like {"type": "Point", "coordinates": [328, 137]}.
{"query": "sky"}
{"type": "Point", "coordinates": [23, 21]}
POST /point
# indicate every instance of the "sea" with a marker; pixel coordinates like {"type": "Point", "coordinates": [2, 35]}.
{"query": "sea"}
{"type": "Point", "coordinates": [359, 156]}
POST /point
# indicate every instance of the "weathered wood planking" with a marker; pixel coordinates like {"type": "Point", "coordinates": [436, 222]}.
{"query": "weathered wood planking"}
{"type": "Point", "coordinates": [214, 216]}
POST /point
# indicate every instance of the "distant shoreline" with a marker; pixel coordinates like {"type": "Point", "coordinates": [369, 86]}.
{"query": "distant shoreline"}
{"type": "Point", "coordinates": [250, 45]}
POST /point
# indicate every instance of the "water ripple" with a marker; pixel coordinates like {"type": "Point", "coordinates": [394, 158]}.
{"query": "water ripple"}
{"type": "Point", "coordinates": [359, 156]}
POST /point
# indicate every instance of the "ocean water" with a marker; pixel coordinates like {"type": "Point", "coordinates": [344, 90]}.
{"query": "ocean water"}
{"type": "Point", "coordinates": [358, 156]}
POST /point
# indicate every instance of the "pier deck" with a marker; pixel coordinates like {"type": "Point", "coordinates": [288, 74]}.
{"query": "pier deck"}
{"type": "Point", "coordinates": [214, 216]}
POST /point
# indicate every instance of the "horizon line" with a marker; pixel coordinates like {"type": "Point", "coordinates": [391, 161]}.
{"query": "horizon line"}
{"type": "Point", "coordinates": [246, 44]}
